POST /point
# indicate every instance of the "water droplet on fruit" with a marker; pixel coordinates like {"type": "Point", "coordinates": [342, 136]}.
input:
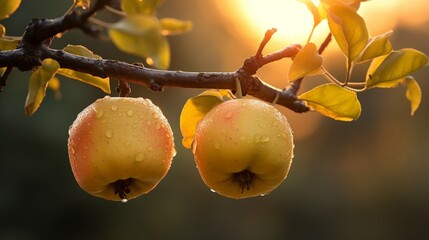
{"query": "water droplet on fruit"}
{"type": "Point", "coordinates": [130, 113]}
{"type": "Point", "coordinates": [124, 200]}
{"type": "Point", "coordinates": [148, 122]}
{"type": "Point", "coordinates": [265, 139]}
{"type": "Point", "coordinates": [155, 115]}
{"type": "Point", "coordinates": [109, 133]}
{"type": "Point", "coordinates": [114, 107]}
{"type": "Point", "coordinates": [158, 125]}
{"type": "Point", "coordinates": [216, 145]}
{"type": "Point", "coordinates": [212, 190]}
{"type": "Point", "coordinates": [99, 113]}
{"type": "Point", "coordinates": [262, 195]}
{"type": "Point", "coordinates": [228, 115]}
{"type": "Point", "coordinates": [257, 138]}
{"type": "Point", "coordinates": [139, 157]}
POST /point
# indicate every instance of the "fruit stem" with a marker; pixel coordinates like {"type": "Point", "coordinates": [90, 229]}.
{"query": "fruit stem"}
{"type": "Point", "coordinates": [244, 178]}
{"type": "Point", "coordinates": [122, 188]}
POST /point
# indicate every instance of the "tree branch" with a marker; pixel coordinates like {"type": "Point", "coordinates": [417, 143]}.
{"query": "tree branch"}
{"type": "Point", "coordinates": [34, 48]}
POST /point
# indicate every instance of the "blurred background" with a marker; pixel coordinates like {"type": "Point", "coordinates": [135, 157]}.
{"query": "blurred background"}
{"type": "Point", "coordinates": [367, 179]}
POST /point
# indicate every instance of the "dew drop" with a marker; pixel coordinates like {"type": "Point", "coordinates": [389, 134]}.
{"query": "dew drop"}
{"type": "Point", "coordinates": [130, 113]}
{"type": "Point", "coordinates": [155, 115]}
{"type": "Point", "coordinates": [114, 107]}
{"type": "Point", "coordinates": [148, 122]}
{"type": "Point", "coordinates": [212, 190]}
{"type": "Point", "coordinates": [109, 133]}
{"type": "Point", "coordinates": [262, 195]}
{"type": "Point", "coordinates": [257, 138]}
{"type": "Point", "coordinates": [216, 145]}
{"type": "Point", "coordinates": [228, 115]}
{"type": "Point", "coordinates": [265, 139]}
{"type": "Point", "coordinates": [124, 200]}
{"type": "Point", "coordinates": [99, 114]}
{"type": "Point", "coordinates": [139, 157]}
{"type": "Point", "coordinates": [158, 125]}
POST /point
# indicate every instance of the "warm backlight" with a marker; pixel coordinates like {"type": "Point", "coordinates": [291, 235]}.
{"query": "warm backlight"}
{"type": "Point", "coordinates": [291, 18]}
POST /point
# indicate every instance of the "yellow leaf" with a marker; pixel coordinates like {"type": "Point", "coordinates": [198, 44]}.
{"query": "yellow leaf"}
{"type": "Point", "coordinates": [193, 111]}
{"type": "Point", "coordinates": [349, 30]}
{"type": "Point", "coordinates": [54, 84]}
{"type": "Point", "coordinates": [394, 66]}
{"type": "Point", "coordinates": [306, 62]}
{"type": "Point", "coordinates": [333, 101]}
{"type": "Point", "coordinates": [138, 7]}
{"type": "Point", "coordinates": [7, 43]}
{"type": "Point", "coordinates": [38, 83]}
{"type": "Point", "coordinates": [7, 7]}
{"type": "Point", "coordinates": [172, 26]}
{"type": "Point", "coordinates": [413, 93]}
{"type": "Point", "coordinates": [315, 11]}
{"type": "Point", "coordinates": [377, 46]}
{"type": "Point", "coordinates": [82, 3]}
{"type": "Point", "coordinates": [141, 35]}
{"type": "Point", "coordinates": [101, 83]}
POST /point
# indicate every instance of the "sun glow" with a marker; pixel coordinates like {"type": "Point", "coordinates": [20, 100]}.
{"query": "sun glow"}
{"type": "Point", "coordinates": [291, 18]}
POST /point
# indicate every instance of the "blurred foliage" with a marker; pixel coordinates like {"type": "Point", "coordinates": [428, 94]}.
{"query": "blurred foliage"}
{"type": "Point", "coordinates": [367, 179]}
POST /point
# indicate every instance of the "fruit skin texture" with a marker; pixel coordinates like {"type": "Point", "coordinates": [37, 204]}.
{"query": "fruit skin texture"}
{"type": "Point", "coordinates": [243, 148]}
{"type": "Point", "coordinates": [118, 138]}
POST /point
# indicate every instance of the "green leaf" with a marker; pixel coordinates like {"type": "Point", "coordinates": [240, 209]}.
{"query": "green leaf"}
{"type": "Point", "coordinates": [141, 35]}
{"type": "Point", "coordinates": [349, 30]}
{"type": "Point", "coordinates": [38, 83]}
{"type": "Point", "coordinates": [7, 7]}
{"type": "Point", "coordinates": [138, 7]}
{"type": "Point", "coordinates": [193, 111]}
{"type": "Point", "coordinates": [172, 26]}
{"type": "Point", "coordinates": [413, 93]}
{"type": "Point", "coordinates": [307, 62]}
{"type": "Point", "coordinates": [377, 46]}
{"type": "Point", "coordinates": [101, 83]}
{"type": "Point", "coordinates": [394, 66]}
{"type": "Point", "coordinates": [333, 101]}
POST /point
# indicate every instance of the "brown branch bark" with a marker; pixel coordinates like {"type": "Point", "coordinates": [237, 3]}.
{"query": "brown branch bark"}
{"type": "Point", "coordinates": [35, 46]}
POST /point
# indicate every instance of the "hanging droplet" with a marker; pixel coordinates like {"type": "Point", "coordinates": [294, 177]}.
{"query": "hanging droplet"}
{"type": "Point", "coordinates": [124, 200]}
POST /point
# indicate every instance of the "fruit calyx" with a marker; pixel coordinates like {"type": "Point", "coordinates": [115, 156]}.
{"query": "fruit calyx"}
{"type": "Point", "coordinates": [122, 188]}
{"type": "Point", "coordinates": [244, 178]}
